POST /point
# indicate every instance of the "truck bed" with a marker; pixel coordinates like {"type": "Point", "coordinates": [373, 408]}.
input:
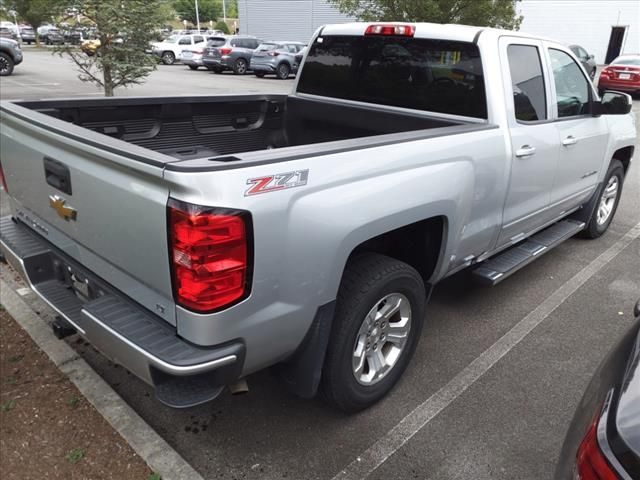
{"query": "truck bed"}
{"type": "Point", "coordinates": [221, 126]}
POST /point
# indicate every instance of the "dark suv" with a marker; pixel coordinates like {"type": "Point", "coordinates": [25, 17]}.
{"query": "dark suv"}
{"type": "Point", "coordinates": [230, 53]}
{"type": "Point", "coordinates": [276, 57]}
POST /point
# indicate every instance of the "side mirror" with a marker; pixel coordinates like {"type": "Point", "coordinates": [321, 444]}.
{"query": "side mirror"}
{"type": "Point", "coordinates": [590, 57]}
{"type": "Point", "coordinates": [613, 103]}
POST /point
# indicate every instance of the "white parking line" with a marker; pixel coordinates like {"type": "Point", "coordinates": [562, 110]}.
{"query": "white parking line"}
{"type": "Point", "coordinates": [380, 451]}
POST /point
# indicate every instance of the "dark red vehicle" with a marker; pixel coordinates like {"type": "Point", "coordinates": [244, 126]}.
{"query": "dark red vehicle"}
{"type": "Point", "coordinates": [623, 75]}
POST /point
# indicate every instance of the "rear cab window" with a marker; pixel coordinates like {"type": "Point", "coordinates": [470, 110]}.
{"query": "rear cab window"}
{"type": "Point", "coordinates": [216, 41]}
{"type": "Point", "coordinates": [417, 73]}
{"type": "Point", "coordinates": [527, 83]}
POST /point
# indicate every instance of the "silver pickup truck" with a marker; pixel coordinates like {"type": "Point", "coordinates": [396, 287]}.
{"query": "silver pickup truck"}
{"type": "Point", "coordinates": [196, 240]}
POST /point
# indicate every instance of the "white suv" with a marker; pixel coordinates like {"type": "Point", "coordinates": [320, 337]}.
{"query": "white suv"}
{"type": "Point", "coordinates": [169, 49]}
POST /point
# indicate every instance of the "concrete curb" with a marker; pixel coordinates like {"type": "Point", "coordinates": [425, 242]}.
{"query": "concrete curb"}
{"type": "Point", "coordinates": [154, 450]}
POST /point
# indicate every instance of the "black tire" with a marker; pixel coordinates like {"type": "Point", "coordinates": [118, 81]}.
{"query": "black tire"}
{"type": "Point", "coordinates": [168, 58]}
{"type": "Point", "coordinates": [595, 229]}
{"type": "Point", "coordinates": [240, 67]}
{"type": "Point", "coordinates": [216, 69]}
{"type": "Point", "coordinates": [193, 67]}
{"type": "Point", "coordinates": [6, 65]}
{"type": "Point", "coordinates": [283, 71]}
{"type": "Point", "coordinates": [367, 279]}
{"type": "Point", "coordinates": [260, 75]}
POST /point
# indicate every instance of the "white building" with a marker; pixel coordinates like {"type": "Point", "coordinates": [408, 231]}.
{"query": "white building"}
{"type": "Point", "coordinates": [294, 20]}
{"type": "Point", "coordinates": [605, 28]}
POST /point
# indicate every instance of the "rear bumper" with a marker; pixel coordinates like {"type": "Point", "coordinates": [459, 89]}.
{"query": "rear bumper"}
{"type": "Point", "coordinates": [618, 86]}
{"type": "Point", "coordinates": [224, 62]}
{"type": "Point", "coordinates": [182, 374]}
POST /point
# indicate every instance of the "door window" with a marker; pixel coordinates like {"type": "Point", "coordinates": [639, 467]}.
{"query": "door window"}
{"type": "Point", "coordinates": [529, 99]}
{"type": "Point", "coordinates": [572, 88]}
{"type": "Point", "coordinates": [185, 41]}
{"type": "Point", "coordinates": [198, 39]}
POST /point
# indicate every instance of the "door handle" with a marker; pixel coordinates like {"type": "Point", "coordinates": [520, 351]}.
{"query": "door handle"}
{"type": "Point", "coordinates": [570, 140]}
{"type": "Point", "coordinates": [525, 151]}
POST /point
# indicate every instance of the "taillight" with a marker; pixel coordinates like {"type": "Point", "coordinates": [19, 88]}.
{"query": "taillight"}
{"type": "Point", "coordinates": [590, 461]}
{"type": "Point", "coordinates": [225, 50]}
{"type": "Point", "coordinates": [210, 255]}
{"type": "Point", "coordinates": [605, 73]}
{"type": "Point", "coordinates": [3, 180]}
{"type": "Point", "coordinates": [397, 30]}
{"type": "Point", "coordinates": [273, 53]}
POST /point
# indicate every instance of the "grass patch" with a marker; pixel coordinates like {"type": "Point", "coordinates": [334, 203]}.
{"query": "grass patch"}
{"type": "Point", "coordinates": [8, 405]}
{"type": "Point", "coordinates": [154, 476]}
{"type": "Point", "coordinates": [73, 402]}
{"type": "Point", "coordinates": [75, 455]}
{"type": "Point", "coordinates": [11, 381]}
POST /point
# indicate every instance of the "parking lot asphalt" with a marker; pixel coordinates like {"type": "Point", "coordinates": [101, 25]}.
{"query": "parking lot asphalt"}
{"type": "Point", "coordinates": [491, 389]}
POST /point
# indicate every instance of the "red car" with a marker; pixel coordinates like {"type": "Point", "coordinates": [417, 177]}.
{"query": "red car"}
{"type": "Point", "coordinates": [623, 75]}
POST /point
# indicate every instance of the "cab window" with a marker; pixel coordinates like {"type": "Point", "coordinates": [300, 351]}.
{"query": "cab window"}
{"type": "Point", "coordinates": [572, 88]}
{"type": "Point", "coordinates": [527, 82]}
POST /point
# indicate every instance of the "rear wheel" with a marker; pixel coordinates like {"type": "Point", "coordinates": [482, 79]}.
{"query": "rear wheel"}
{"type": "Point", "coordinates": [377, 325]}
{"type": "Point", "coordinates": [6, 64]}
{"type": "Point", "coordinates": [240, 67]}
{"type": "Point", "coordinates": [168, 58]}
{"type": "Point", "coordinates": [607, 204]}
{"type": "Point", "coordinates": [283, 71]}
{"type": "Point", "coordinates": [193, 67]}
{"type": "Point", "coordinates": [260, 75]}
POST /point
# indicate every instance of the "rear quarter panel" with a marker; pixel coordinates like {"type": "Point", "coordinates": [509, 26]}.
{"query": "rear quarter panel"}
{"type": "Point", "coordinates": [304, 235]}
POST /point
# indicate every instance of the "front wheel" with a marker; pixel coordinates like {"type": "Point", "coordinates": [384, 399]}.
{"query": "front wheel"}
{"type": "Point", "coordinates": [193, 67]}
{"type": "Point", "coordinates": [260, 75]}
{"type": "Point", "coordinates": [607, 204]}
{"type": "Point", "coordinates": [377, 325]}
{"type": "Point", "coordinates": [168, 58]}
{"type": "Point", "coordinates": [6, 65]}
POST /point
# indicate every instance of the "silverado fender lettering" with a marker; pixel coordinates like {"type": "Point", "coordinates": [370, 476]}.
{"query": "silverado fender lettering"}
{"type": "Point", "coordinates": [279, 181]}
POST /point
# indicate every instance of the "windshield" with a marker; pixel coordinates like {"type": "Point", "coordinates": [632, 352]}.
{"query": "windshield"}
{"type": "Point", "coordinates": [626, 61]}
{"type": "Point", "coordinates": [171, 39]}
{"type": "Point", "coordinates": [423, 74]}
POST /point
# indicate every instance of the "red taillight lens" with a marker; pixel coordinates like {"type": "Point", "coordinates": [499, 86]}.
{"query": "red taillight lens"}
{"type": "Point", "coordinates": [225, 50]}
{"type": "Point", "coordinates": [605, 73]}
{"type": "Point", "coordinates": [273, 53]}
{"type": "Point", "coordinates": [3, 181]}
{"type": "Point", "coordinates": [397, 30]}
{"type": "Point", "coordinates": [590, 462]}
{"type": "Point", "coordinates": [209, 255]}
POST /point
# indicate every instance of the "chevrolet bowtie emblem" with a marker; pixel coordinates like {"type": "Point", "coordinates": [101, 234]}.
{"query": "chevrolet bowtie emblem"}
{"type": "Point", "coordinates": [59, 205]}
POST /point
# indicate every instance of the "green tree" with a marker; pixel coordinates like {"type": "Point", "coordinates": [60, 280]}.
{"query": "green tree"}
{"type": "Point", "coordinates": [36, 12]}
{"type": "Point", "coordinates": [485, 13]}
{"type": "Point", "coordinates": [209, 10]}
{"type": "Point", "coordinates": [223, 27]}
{"type": "Point", "coordinates": [124, 35]}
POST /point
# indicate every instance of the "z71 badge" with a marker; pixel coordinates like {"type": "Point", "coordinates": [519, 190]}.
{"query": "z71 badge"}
{"type": "Point", "coordinates": [279, 181]}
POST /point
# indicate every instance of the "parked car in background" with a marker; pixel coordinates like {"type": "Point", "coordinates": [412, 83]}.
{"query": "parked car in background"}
{"type": "Point", "coordinates": [28, 35]}
{"type": "Point", "coordinates": [6, 32]}
{"type": "Point", "coordinates": [603, 440]}
{"type": "Point", "coordinates": [587, 60]}
{"type": "Point", "coordinates": [10, 55]}
{"type": "Point", "coordinates": [169, 50]}
{"type": "Point", "coordinates": [235, 54]}
{"type": "Point", "coordinates": [50, 35]}
{"type": "Point", "coordinates": [192, 57]}
{"type": "Point", "coordinates": [73, 36]}
{"type": "Point", "coordinates": [623, 74]}
{"type": "Point", "coordinates": [279, 58]}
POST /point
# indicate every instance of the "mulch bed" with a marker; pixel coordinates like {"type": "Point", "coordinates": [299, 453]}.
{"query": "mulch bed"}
{"type": "Point", "coordinates": [47, 428]}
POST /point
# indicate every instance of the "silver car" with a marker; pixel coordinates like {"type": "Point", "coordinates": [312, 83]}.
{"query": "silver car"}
{"type": "Point", "coordinates": [234, 54]}
{"type": "Point", "coordinates": [279, 58]}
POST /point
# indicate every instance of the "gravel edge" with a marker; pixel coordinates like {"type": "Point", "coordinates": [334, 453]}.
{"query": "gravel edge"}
{"type": "Point", "coordinates": [152, 448]}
